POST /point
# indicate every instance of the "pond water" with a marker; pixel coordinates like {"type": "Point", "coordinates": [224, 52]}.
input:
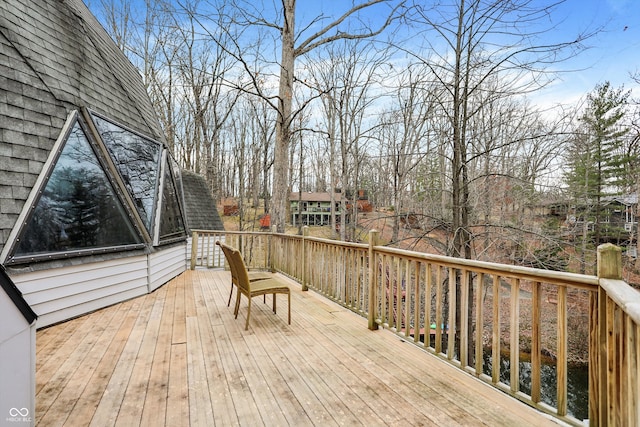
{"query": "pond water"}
{"type": "Point", "coordinates": [577, 383]}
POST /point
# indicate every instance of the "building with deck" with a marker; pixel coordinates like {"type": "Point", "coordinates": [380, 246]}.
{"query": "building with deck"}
{"type": "Point", "coordinates": [92, 204]}
{"type": "Point", "coordinates": [314, 208]}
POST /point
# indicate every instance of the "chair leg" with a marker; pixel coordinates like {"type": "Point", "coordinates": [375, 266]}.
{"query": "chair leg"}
{"type": "Point", "coordinates": [235, 311]}
{"type": "Point", "coordinates": [230, 294]}
{"type": "Point", "coordinates": [289, 297]}
{"type": "Point", "coordinates": [246, 325]}
{"type": "Point", "coordinates": [274, 302]}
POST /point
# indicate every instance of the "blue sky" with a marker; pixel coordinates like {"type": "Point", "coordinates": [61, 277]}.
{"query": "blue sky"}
{"type": "Point", "coordinates": [612, 54]}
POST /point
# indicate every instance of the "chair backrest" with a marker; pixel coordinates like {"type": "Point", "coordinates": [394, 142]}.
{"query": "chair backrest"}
{"type": "Point", "coordinates": [226, 250]}
{"type": "Point", "coordinates": [238, 268]}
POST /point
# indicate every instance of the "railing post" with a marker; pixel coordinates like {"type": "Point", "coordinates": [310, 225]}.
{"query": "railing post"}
{"type": "Point", "coordinates": [609, 262]}
{"type": "Point", "coordinates": [303, 274]}
{"type": "Point", "coordinates": [270, 249]}
{"type": "Point", "coordinates": [374, 238]}
{"type": "Point", "coordinates": [194, 249]}
{"type": "Point", "coordinates": [609, 266]}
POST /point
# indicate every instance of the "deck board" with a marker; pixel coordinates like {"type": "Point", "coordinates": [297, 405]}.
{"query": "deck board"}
{"type": "Point", "coordinates": [177, 357]}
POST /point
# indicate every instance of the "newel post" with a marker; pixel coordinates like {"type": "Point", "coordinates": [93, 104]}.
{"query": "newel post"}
{"type": "Point", "coordinates": [303, 277]}
{"type": "Point", "coordinates": [609, 266]}
{"type": "Point", "coordinates": [374, 238]}
{"type": "Point", "coordinates": [194, 249]}
{"type": "Point", "coordinates": [609, 262]}
{"type": "Point", "coordinates": [271, 249]}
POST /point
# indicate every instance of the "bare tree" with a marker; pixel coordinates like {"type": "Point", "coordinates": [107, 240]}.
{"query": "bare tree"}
{"type": "Point", "coordinates": [409, 136]}
{"type": "Point", "coordinates": [346, 75]}
{"type": "Point", "coordinates": [477, 41]}
{"type": "Point", "coordinates": [246, 17]}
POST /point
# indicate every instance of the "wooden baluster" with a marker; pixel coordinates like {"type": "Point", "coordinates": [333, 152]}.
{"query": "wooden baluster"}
{"type": "Point", "coordinates": [371, 318]}
{"type": "Point", "coordinates": [514, 334]}
{"type": "Point", "coordinates": [495, 337]}
{"type": "Point", "coordinates": [536, 340]}
{"type": "Point", "coordinates": [439, 314]}
{"type": "Point", "coordinates": [453, 303]}
{"type": "Point", "coordinates": [561, 362]}
{"type": "Point", "coordinates": [479, 323]}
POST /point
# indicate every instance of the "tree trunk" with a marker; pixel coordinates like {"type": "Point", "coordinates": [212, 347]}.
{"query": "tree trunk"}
{"type": "Point", "coordinates": [283, 120]}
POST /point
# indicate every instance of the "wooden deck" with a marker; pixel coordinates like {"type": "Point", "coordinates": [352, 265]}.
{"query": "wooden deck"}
{"type": "Point", "coordinates": [177, 357]}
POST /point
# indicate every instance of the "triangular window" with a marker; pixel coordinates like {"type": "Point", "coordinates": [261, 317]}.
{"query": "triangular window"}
{"type": "Point", "coordinates": [138, 161]}
{"type": "Point", "coordinates": [171, 223]}
{"type": "Point", "coordinates": [78, 209]}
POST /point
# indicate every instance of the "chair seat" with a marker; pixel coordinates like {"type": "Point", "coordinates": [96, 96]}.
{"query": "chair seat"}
{"type": "Point", "coordinates": [259, 275]}
{"type": "Point", "coordinates": [268, 286]}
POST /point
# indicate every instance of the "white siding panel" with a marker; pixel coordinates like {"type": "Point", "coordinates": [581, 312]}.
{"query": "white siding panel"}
{"type": "Point", "coordinates": [166, 264]}
{"type": "Point", "coordinates": [37, 281]}
{"type": "Point", "coordinates": [18, 374]}
{"type": "Point", "coordinates": [63, 293]}
{"type": "Point", "coordinates": [51, 305]}
{"type": "Point", "coordinates": [72, 286]}
{"type": "Point", "coordinates": [60, 294]}
{"type": "Point", "coordinates": [87, 307]}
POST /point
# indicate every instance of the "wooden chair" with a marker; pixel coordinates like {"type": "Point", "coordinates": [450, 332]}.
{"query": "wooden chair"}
{"type": "Point", "coordinates": [253, 288]}
{"type": "Point", "coordinates": [253, 275]}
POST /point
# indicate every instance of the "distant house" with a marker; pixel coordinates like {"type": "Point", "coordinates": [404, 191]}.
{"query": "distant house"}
{"type": "Point", "coordinates": [92, 204]}
{"type": "Point", "coordinates": [621, 211]}
{"type": "Point", "coordinates": [313, 208]}
{"type": "Point", "coordinates": [618, 214]}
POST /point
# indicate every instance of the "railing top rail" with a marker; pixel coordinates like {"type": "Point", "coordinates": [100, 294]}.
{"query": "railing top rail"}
{"type": "Point", "coordinates": [582, 281]}
{"type": "Point", "coordinates": [624, 296]}
{"type": "Point", "coordinates": [323, 240]}
{"type": "Point", "coordinates": [229, 232]}
{"type": "Point", "coordinates": [337, 242]}
{"type": "Point", "coordinates": [548, 276]}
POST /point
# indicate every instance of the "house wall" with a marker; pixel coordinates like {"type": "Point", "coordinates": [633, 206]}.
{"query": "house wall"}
{"type": "Point", "coordinates": [59, 294]}
{"type": "Point", "coordinates": [17, 365]}
{"type": "Point", "coordinates": [166, 264]}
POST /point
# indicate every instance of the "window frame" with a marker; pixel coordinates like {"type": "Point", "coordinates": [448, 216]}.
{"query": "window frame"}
{"type": "Point", "coordinates": [9, 257]}
{"type": "Point", "coordinates": [115, 172]}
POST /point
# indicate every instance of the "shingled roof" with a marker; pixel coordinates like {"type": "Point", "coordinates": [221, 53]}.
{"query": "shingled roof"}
{"type": "Point", "coordinates": [200, 207]}
{"type": "Point", "coordinates": [310, 196]}
{"type": "Point", "coordinates": [54, 58]}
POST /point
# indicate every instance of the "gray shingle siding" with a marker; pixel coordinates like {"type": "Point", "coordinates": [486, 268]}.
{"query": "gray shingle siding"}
{"type": "Point", "coordinates": [54, 58]}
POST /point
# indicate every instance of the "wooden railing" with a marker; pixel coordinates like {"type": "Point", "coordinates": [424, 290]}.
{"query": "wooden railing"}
{"type": "Point", "coordinates": [255, 248]}
{"type": "Point", "coordinates": [484, 318]}
{"type": "Point", "coordinates": [614, 363]}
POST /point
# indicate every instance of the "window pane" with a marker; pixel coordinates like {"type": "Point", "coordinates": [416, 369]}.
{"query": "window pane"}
{"type": "Point", "coordinates": [78, 208]}
{"type": "Point", "coordinates": [177, 176]}
{"type": "Point", "coordinates": [138, 161]}
{"type": "Point", "coordinates": [171, 224]}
